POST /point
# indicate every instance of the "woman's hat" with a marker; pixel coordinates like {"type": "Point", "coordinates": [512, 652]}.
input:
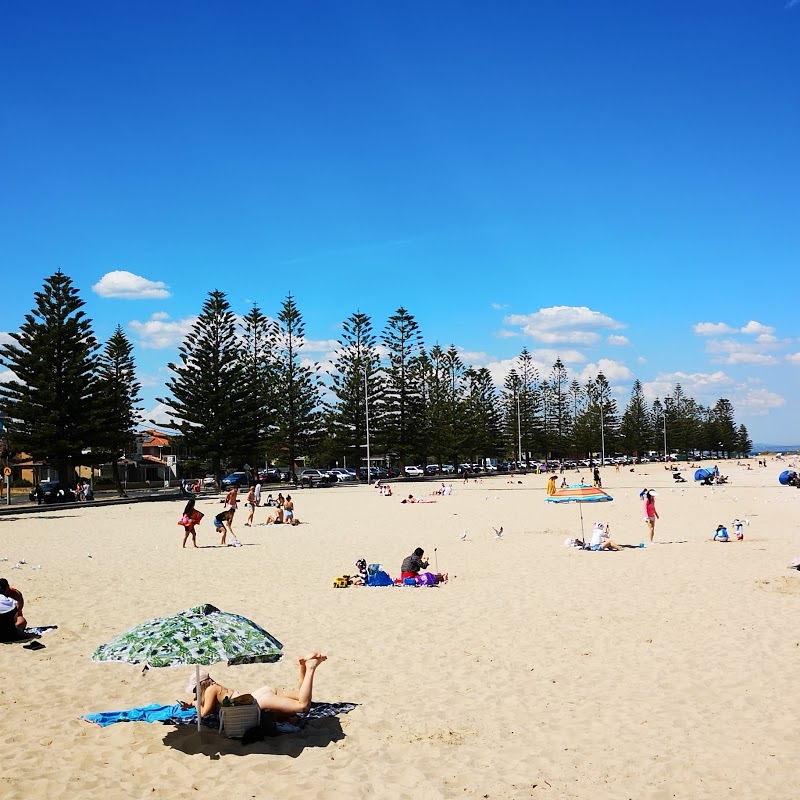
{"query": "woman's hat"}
{"type": "Point", "coordinates": [204, 676]}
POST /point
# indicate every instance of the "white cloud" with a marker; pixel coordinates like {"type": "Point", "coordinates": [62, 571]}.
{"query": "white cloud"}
{"type": "Point", "coordinates": [549, 356]}
{"type": "Point", "coordinates": [7, 375]}
{"type": "Point", "coordinates": [617, 340]}
{"type": "Point", "coordinates": [700, 385]}
{"type": "Point", "coordinates": [748, 358]}
{"type": "Point", "coordinates": [121, 283]}
{"type": "Point", "coordinates": [793, 358]}
{"type": "Point", "coordinates": [641, 360]}
{"type": "Point", "coordinates": [499, 369]}
{"type": "Point", "coordinates": [5, 338]}
{"type": "Point", "coordinates": [613, 370]}
{"type": "Point", "coordinates": [712, 328]}
{"type": "Point", "coordinates": [159, 315]}
{"type": "Point", "coordinates": [499, 306]}
{"type": "Point", "coordinates": [766, 338]}
{"type": "Point", "coordinates": [148, 380]}
{"type": "Point", "coordinates": [472, 358]}
{"type": "Point", "coordinates": [735, 352]}
{"type": "Point", "coordinates": [563, 324]}
{"type": "Point", "coordinates": [159, 333]}
{"type": "Point", "coordinates": [504, 333]}
{"type": "Point", "coordinates": [757, 402]}
{"type": "Point", "coordinates": [320, 345]}
{"type": "Point", "coordinates": [754, 328]}
{"type": "Point", "coordinates": [159, 414]}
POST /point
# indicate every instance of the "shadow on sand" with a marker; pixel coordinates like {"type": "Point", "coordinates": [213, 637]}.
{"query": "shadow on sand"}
{"type": "Point", "coordinates": [207, 742]}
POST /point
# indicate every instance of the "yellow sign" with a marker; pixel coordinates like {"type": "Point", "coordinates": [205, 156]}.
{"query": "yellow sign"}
{"type": "Point", "coordinates": [6, 471]}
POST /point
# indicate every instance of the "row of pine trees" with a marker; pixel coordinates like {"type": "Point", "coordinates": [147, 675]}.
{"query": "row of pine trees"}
{"type": "Point", "coordinates": [243, 391]}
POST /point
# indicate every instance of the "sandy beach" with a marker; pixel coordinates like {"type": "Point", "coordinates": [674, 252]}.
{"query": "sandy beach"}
{"type": "Point", "coordinates": [537, 671]}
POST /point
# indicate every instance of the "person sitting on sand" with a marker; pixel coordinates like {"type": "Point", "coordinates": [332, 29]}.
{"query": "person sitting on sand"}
{"type": "Point", "coordinates": [601, 538]}
{"type": "Point", "coordinates": [412, 566]}
{"type": "Point", "coordinates": [721, 534]}
{"type": "Point", "coordinates": [20, 623]}
{"type": "Point", "coordinates": [288, 511]}
{"type": "Point", "coordinates": [360, 579]}
{"type": "Point", "coordinates": [284, 704]}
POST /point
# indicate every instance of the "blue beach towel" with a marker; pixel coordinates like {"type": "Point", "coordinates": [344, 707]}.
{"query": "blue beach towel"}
{"type": "Point", "coordinates": [151, 713]}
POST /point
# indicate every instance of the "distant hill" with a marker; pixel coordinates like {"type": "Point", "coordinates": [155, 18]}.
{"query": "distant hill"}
{"type": "Point", "coordinates": [760, 447]}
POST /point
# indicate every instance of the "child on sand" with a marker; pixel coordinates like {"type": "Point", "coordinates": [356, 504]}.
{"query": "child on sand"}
{"type": "Point", "coordinates": [190, 519]}
{"type": "Point", "coordinates": [721, 534]}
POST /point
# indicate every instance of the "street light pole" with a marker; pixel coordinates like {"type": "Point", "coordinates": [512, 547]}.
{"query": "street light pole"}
{"type": "Point", "coordinates": [519, 436]}
{"type": "Point", "coordinates": [602, 436]}
{"type": "Point", "coordinates": [366, 410]}
{"type": "Point", "coordinates": [665, 434]}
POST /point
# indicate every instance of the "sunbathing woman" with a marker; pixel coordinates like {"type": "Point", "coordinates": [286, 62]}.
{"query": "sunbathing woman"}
{"type": "Point", "coordinates": [283, 703]}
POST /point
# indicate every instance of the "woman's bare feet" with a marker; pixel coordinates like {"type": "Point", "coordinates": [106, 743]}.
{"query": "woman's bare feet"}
{"type": "Point", "coordinates": [312, 660]}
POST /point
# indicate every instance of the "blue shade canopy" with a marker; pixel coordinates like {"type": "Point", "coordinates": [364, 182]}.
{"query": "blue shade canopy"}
{"type": "Point", "coordinates": [701, 474]}
{"type": "Point", "coordinates": [784, 477]}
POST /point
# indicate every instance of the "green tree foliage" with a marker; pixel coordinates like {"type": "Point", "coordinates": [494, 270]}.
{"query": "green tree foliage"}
{"type": "Point", "coordinates": [50, 403]}
{"type": "Point", "coordinates": [635, 428]}
{"type": "Point", "coordinates": [558, 417]}
{"type": "Point", "coordinates": [209, 401]}
{"type": "Point", "coordinates": [298, 395]}
{"type": "Point", "coordinates": [355, 380]}
{"type": "Point", "coordinates": [403, 396]}
{"type": "Point", "coordinates": [117, 402]}
{"type": "Point", "coordinates": [483, 419]}
{"type": "Point", "coordinates": [260, 382]}
{"type": "Point", "coordinates": [744, 444]}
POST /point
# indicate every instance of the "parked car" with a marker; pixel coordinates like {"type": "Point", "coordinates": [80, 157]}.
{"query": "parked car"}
{"type": "Point", "coordinates": [431, 469]}
{"type": "Point", "coordinates": [374, 473]}
{"type": "Point", "coordinates": [270, 475]}
{"type": "Point", "coordinates": [209, 480]}
{"type": "Point", "coordinates": [342, 475]}
{"type": "Point", "coordinates": [48, 492]}
{"type": "Point", "coordinates": [447, 469]}
{"type": "Point", "coordinates": [413, 472]}
{"type": "Point", "coordinates": [315, 477]}
{"type": "Point", "coordinates": [239, 479]}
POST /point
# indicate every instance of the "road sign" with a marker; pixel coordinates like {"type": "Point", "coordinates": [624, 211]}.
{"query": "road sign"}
{"type": "Point", "coordinates": [6, 471]}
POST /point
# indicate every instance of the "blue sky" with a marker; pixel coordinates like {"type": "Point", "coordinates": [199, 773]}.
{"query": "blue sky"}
{"type": "Point", "coordinates": [616, 183]}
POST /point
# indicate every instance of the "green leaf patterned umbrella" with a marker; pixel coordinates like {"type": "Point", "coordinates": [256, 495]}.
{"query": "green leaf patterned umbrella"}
{"type": "Point", "coordinates": [202, 635]}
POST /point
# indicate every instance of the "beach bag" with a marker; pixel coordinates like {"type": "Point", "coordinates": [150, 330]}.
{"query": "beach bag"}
{"type": "Point", "coordinates": [379, 578]}
{"type": "Point", "coordinates": [409, 581]}
{"type": "Point", "coordinates": [426, 579]}
{"type": "Point", "coordinates": [184, 520]}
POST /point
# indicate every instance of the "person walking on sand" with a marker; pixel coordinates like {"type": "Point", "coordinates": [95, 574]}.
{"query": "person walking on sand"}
{"type": "Point", "coordinates": [551, 484]}
{"type": "Point", "coordinates": [650, 514]}
{"type": "Point", "coordinates": [597, 482]}
{"type": "Point", "coordinates": [190, 519]}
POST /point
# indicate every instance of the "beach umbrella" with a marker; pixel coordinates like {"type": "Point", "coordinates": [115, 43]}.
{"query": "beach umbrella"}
{"type": "Point", "coordinates": [202, 635]}
{"type": "Point", "coordinates": [785, 477]}
{"type": "Point", "coordinates": [702, 474]}
{"type": "Point", "coordinates": [580, 494]}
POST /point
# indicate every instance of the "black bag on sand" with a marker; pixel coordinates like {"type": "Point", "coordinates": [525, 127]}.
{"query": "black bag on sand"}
{"type": "Point", "coordinates": [266, 727]}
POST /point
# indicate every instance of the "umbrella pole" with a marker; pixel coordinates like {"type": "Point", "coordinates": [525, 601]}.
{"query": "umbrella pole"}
{"type": "Point", "coordinates": [197, 693]}
{"type": "Point", "coordinates": [583, 536]}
